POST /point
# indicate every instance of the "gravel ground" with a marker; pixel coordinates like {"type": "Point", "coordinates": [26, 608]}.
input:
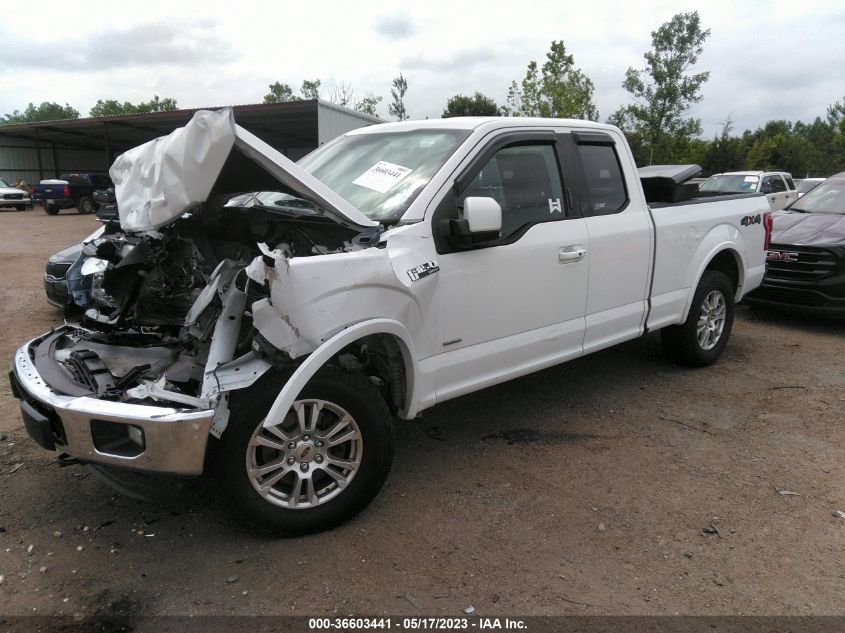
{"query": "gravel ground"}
{"type": "Point", "coordinates": [585, 489]}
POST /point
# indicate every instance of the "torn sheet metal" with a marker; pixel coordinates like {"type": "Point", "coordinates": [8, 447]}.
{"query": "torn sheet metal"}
{"type": "Point", "coordinates": [155, 183]}
{"type": "Point", "coordinates": [158, 181]}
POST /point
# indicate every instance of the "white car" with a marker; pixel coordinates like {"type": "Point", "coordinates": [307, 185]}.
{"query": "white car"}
{"type": "Point", "coordinates": [777, 186]}
{"type": "Point", "coordinates": [806, 184]}
{"type": "Point", "coordinates": [271, 339]}
{"type": "Point", "coordinates": [14, 198]}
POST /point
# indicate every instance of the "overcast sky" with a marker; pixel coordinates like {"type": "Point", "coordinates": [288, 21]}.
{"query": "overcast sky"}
{"type": "Point", "coordinates": [766, 59]}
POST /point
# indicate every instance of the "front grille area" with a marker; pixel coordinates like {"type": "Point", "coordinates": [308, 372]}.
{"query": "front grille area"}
{"type": "Point", "coordinates": [58, 270]}
{"type": "Point", "coordinates": [12, 196]}
{"type": "Point", "coordinates": [810, 263]}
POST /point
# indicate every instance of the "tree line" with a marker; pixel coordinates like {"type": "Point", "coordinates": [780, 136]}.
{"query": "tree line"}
{"type": "Point", "coordinates": [657, 120]}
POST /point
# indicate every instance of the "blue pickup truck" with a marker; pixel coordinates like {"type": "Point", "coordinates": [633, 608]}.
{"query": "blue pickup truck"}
{"type": "Point", "coordinates": [70, 190]}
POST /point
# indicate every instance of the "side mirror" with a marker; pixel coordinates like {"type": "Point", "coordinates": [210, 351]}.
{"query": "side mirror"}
{"type": "Point", "coordinates": [766, 187]}
{"type": "Point", "coordinates": [483, 215]}
{"type": "Point", "coordinates": [482, 222]}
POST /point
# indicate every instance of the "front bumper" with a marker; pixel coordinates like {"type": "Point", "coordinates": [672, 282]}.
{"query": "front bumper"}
{"type": "Point", "coordinates": [173, 440]}
{"type": "Point", "coordinates": [824, 300]}
{"type": "Point", "coordinates": [7, 201]}
{"type": "Point", "coordinates": [57, 291]}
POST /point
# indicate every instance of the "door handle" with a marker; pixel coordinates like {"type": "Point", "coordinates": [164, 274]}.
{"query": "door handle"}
{"type": "Point", "coordinates": [571, 254]}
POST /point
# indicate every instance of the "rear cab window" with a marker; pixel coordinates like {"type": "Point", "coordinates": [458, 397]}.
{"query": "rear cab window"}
{"type": "Point", "coordinates": [604, 182]}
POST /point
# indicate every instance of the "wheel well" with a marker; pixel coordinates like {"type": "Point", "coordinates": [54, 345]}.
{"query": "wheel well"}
{"type": "Point", "coordinates": [380, 357]}
{"type": "Point", "coordinates": [726, 263]}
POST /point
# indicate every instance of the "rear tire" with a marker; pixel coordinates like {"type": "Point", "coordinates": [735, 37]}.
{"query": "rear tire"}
{"type": "Point", "coordinates": [51, 209]}
{"type": "Point", "coordinates": [700, 340]}
{"type": "Point", "coordinates": [299, 477]}
{"type": "Point", "coordinates": [85, 206]}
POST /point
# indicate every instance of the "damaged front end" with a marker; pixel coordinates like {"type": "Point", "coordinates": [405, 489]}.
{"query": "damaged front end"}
{"type": "Point", "coordinates": [162, 328]}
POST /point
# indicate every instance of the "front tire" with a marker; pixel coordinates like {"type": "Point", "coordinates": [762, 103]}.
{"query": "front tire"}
{"type": "Point", "coordinates": [319, 467]}
{"type": "Point", "coordinates": [20, 207]}
{"type": "Point", "coordinates": [700, 340]}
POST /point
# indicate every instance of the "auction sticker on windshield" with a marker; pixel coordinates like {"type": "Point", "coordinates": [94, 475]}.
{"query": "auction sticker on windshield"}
{"type": "Point", "coordinates": [382, 176]}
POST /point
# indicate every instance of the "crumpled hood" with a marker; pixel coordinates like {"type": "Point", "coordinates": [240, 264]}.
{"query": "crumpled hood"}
{"type": "Point", "coordinates": [155, 183]}
{"type": "Point", "coordinates": [808, 229]}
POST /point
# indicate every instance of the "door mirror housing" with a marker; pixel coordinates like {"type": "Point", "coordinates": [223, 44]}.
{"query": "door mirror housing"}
{"type": "Point", "coordinates": [483, 215]}
{"type": "Point", "coordinates": [482, 222]}
{"type": "Point", "coordinates": [766, 187]}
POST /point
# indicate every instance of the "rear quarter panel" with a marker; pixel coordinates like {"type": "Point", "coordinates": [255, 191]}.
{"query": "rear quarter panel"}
{"type": "Point", "coordinates": [689, 236]}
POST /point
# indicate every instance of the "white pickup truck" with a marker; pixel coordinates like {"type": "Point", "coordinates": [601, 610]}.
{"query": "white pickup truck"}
{"type": "Point", "coordinates": [777, 186]}
{"type": "Point", "coordinates": [270, 338]}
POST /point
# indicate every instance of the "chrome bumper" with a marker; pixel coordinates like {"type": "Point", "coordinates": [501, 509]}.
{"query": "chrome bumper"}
{"type": "Point", "coordinates": [174, 440]}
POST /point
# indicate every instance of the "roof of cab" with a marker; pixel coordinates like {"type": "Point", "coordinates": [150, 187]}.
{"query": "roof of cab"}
{"type": "Point", "coordinates": [475, 122]}
{"type": "Point", "coordinates": [754, 173]}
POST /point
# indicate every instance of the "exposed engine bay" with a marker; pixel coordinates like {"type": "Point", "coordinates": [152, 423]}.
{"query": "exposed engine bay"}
{"type": "Point", "coordinates": [147, 311]}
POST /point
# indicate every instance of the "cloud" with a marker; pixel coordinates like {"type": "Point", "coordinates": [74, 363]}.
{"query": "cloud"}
{"type": "Point", "coordinates": [467, 60]}
{"type": "Point", "coordinates": [143, 45]}
{"type": "Point", "coordinates": [395, 27]}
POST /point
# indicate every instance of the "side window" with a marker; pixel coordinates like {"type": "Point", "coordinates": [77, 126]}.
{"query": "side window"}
{"type": "Point", "coordinates": [605, 184]}
{"type": "Point", "coordinates": [766, 185]}
{"type": "Point", "coordinates": [777, 184]}
{"type": "Point", "coordinates": [789, 184]}
{"type": "Point", "coordinates": [525, 181]}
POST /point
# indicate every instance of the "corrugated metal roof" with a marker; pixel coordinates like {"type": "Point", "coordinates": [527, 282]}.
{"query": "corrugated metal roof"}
{"type": "Point", "coordinates": [290, 124]}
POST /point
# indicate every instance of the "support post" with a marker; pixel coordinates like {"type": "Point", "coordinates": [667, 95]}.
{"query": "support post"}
{"type": "Point", "coordinates": [108, 145]}
{"type": "Point", "coordinates": [38, 151]}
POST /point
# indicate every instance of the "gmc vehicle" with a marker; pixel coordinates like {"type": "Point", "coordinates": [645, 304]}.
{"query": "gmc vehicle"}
{"type": "Point", "coordinates": [264, 322]}
{"type": "Point", "coordinates": [777, 186]}
{"type": "Point", "coordinates": [70, 190]}
{"type": "Point", "coordinates": [11, 197]}
{"type": "Point", "coordinates": [806, 260]}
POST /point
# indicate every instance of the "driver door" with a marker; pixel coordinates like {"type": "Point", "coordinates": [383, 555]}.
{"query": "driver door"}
{"type": "Point", "coordinates": [514, 304]}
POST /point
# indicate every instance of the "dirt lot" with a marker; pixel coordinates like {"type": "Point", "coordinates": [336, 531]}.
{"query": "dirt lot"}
{"type": "Point", "coordinates": [583, 489]}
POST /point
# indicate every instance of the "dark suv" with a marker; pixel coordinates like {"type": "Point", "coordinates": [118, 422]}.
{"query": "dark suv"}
{"type": "Point", "coordinates": [805, 269]}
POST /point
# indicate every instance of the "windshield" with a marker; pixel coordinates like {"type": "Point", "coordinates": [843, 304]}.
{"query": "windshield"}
{"type": "Point", "coordinates": [827, 197]}
{"type": "Point", "coordinates": [725, 183]}
{"type": "Point", "coordinates": [805, 185]}
{"type": "Point", "coordinates": [382, 173]}
{"type": "Point", "coordinates": [3, 183]}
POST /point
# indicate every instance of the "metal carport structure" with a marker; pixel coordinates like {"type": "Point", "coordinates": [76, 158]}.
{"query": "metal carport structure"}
{"type": "Point", "coordinates": [45, 149]}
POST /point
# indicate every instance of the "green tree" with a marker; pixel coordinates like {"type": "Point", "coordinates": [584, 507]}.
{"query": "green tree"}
{"type": "Point", "coordinates": [397, 108]}
{"type": "Point", "coordinates": [624, 120]}
{"type": "Point", "coordinates": [46, 111]}
{"type": "Point", "coordinates": [665, 89]}
{"type": "Point", "coordinates": [558, 89]}
{"type": "Point", "coordinates": [111, 107]}
{"type": "Point", "coordinates": [310, 89]}
{"type": "Point", "coordinates": [280, 93]}
{"type": "Point", "coordinates": [724, 152]}
{"type": "Point", "coordinates": [476, 105]}
{"type": "Point", "coordinates": [368, 104]}
{"type": "Point", "coordinates": [836, 115]}
{"type": "Point", "coordinates": [342, 93]}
